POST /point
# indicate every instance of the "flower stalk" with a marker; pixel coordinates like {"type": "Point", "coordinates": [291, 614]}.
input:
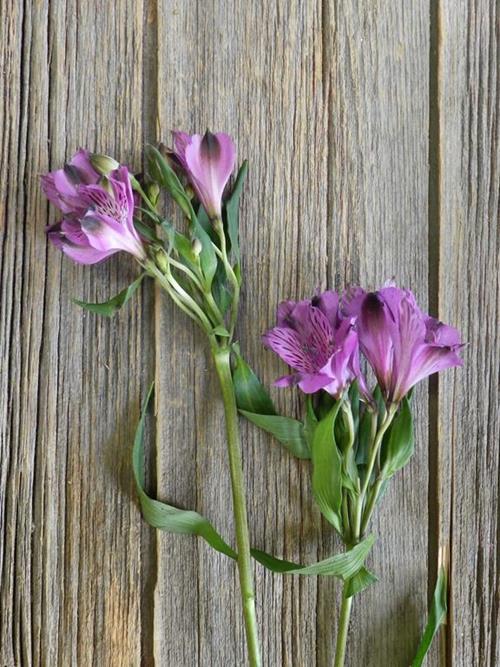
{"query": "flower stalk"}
{"type": "Point", "coordinates": [222, 364]}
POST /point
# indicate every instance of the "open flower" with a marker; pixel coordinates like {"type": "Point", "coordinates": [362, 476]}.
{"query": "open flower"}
{"type": "Point", "coordinates": [98, 212]}
{"type": "Point", "coordinates": [402, 344]}
{"type": "Point", "coordinates": [61, 186]}
{"type": "Point", "coordinates": [318, 343]}
{"type": "Point", "coordinates": [208, 162]}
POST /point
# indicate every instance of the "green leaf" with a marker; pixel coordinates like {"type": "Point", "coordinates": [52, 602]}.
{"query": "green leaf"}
{"type": "Point", "coordinates": [108, 308]}
{"type": "Point", "coordinates": [232, 206]}
{"type": "Point", "coordinates": [310, 421]}
{"type": "Point", "coordinates": [289, 432]}
{"type": "Point", "coordinates": [163, 174]}
{"type": "Point", "coordinates": [219, 330]}
{"type": "Point", "coordinates": [364, 437]}
{"type": "Point", "coordinates": [437, 616]}
{"type": "Point", "coordinates": [174, 520]}
{"type": "Point", "coordinates": [327, 469]}
{"type": "Point", "coordinates": [344, 565]}
{"type": "Point", "coordinates": [163, 516]}
{"type": "Point", "coordinates": [146, 231]}
{"type": "Point", "coordinates": [361, 580]}
{"type": "Point", "coordinates": [398, 445]}
{"type": "Point", "coordinates": [251, 394]}
{"type": "Point", "coordinates": [179, 242]}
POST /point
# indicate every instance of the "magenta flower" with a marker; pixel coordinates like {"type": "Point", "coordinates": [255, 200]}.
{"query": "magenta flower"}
{"type": "Point", "coordinates": [208, 162]}
{"type": "Point", "coordinates": [318, 343]}
{"type": "Point", "coordinates": [402, 344]}
{"type": "Point", "coordinates": [98, 213]}
{"type": "Point", "coordinates": [61, 186]}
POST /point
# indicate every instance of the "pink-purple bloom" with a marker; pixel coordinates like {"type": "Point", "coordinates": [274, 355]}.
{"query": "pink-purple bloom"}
{"type": "Point", "coordinates": [208, 162]}
{"type": "Point", "coordinates": [402, 344]}
{"type": "Point", "coordinates": [98, 212]}
{"type": "Point", "coordinates": [318, 343]}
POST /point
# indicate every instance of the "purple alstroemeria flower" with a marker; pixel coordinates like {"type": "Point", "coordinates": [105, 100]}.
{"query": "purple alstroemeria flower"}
{"type": "Point", "coordinates": [318, 343]}
{"type": "Point", "coordinates": [402, 344]}
{"type": "Point", "coordinates": [98, 212]}
{"type": "Point", "coordinates": [208, 162]}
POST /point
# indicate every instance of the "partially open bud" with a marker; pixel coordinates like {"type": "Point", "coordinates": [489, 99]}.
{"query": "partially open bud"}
{"type": "Point", "coordinates": [104, 164]}
{"type": "Point", "coordinates": [196, 247]}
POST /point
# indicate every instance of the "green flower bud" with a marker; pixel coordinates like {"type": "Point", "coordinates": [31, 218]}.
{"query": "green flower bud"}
{"type": "Point", "coordinates": [104, 164]}
{"type": "Point", "coordinates": [196, 247]}
{"type": "Point", "coordinates": [153, 193]}
{"type": "Point", "coordinates": [161, 260]}
{"type": "Point", "coordinates": [104, 182]}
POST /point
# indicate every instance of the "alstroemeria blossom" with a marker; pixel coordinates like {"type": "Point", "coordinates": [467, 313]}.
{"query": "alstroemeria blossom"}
{"type": "Point", "coordinates": [402, 344]}
{"type": "Point", "coordinates": [208, 162]}
{"type": "Point", "coordinates": [98, 212]}
{"type": "Point", "coordinates": [318, 343]}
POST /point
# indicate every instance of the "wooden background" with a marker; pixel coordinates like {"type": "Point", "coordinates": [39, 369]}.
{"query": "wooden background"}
{"type": "Point", "coordinates": [373, 138]}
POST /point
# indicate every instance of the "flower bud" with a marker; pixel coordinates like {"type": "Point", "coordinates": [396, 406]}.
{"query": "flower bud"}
{"type": "Point", "coordinates": [105, 183]}
{"type": "Point", "coordinates": [161, 260]}
{"type": "Point", "coordinates": [153, 193]}
{"type": "Point", "coordinates": [104, 164]}
{"type": "Point", "coordinates": [196, 247]}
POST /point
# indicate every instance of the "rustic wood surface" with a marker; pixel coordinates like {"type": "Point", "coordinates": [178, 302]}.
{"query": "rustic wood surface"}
{"type": "Point", "coordinates": [373, 138]}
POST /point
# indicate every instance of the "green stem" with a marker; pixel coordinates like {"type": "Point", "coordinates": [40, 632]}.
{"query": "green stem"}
{"type": "Point", "coordinates": [345, 613]}
{"type": "Point", "coordinates": [357, 527]}
{"type": "Point", "coordinates": [370, 505]}
{"type": "Point", "coordinates": [222, 365]}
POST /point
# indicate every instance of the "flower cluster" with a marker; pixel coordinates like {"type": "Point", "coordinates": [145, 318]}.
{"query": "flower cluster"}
{"type": "Point", "coordinates": [320, 338]}
{"type": "Point", "coordinates": [98, 211]}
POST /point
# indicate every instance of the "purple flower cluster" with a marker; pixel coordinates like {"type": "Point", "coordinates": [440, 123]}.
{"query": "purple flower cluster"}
{"type": "Point", "coordinates": [320, 339]}
{"type": "Point", "coordinates": [97, 211]}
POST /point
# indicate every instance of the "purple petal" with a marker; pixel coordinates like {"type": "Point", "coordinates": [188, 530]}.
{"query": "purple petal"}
{"type": "Point", "coordinates": [286, 381]}
{"type": "Point", "coordinates": [283, 313]}
{"type": "Point", "coordinates": [106, 234]}
{"type": "Point", "coordinates": [311, 383]}
{"type": "Point", "coordinates": [287, 345]}
{"type": "Point", "coordinates": [328, 303]}
{"type": "Point", "coordinates": [81, 162]}
{"type": "Point", "coordinates": [428, 359]}
{"type": "Point", "coordinates": [209, 161]}
{"type": "Point", "coordinates": [315, 332]}
{"type": "Point", "coordinates": [437, 332]}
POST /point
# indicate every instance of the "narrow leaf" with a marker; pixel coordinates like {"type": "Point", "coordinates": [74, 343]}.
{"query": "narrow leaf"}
{"type": "Point", "coordinates": [232, 206]}
{"type": "Point", "coordinates": [437, 616]}
{"type": "Point", "coordinates": [361, 580]}
{"type": "Point", "coordinates": [163, 516]}
{"type": "Point", "coordinates": [174, 520]}
{"type": "Point", "coordinates": [108, 308]}
{"type": "Point", "coordinates": [289, 432]}
{"type": "Point", "coordinates": [251, 394]}
{"type": "Point", "coordinates": [344, 565]}
{"type": "Point", "coordinates": [327, 469]}
{"type": "Point", "coordinates": [398, 445]}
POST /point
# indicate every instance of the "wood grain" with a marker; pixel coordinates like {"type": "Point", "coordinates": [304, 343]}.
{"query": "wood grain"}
{"type": "Point", "coordinates": [71, 566]}
{"type": "Point", "coordinates": [340, 107]}
{"type": "Point", "coordinates": [469, 297]}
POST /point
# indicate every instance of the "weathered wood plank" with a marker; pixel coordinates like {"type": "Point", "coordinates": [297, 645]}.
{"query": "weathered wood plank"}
{"type": "Point", "coordinates": [225, 68]}
{"type": "Point", "coordinates": [357, 222]}
{"type": "Point", "coordinates": [377, 69]}
{"type": "Point", "coordinates": [469, 297]}
{"type": "Point", "coordinates": [329, 101]}
{"type": "Point", "coordinates": [71, 560]}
